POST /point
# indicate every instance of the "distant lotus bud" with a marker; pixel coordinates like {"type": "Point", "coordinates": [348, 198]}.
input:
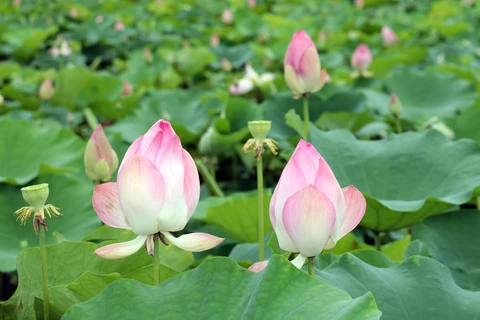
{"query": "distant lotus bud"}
{"type": "Point", "coordinates": [395, 105]}
{"type": "Point", "coordinates": [147, 55]}
{"type": "Point", "coordinates": [99, 19]}
{"type": "Point", "coordinates": [361, 57]}
{"type": "Point", "coordinates": [227, 16]}
{"type": "Point", "coordinates": [119, 26]}
{"type": "Point", "coordinates": [54, 52]}
{"type": "Point", "coordinates": [100, 159]}
{"type": "Point", "coordinates": [252, 3]}
{"type": "Point", "coordinates": [215, 40]}
{"type": "Point", "coordinates": [302, 65]}
{"type": "Point", "coordinates": [46, 90]}
{"type": "Point", "coordinates": [261, 38]}
{"type": "Point", "coordinates": [186, 43]}
{"type": "Point", "coordinates": [65, 49]}
{"type": "Point", "coordinates": [226, 65]}
{"type": "Point", "coordinates": [359, 3]}
{"type": "Point", "coordinates": [2, 100]}
{"type": "Point", "coordinates": [389, 36]}
{"type": "Point", "coordinates": [17, 3]}
{"type": "Point", "coordinates": [73, 12]}
{"type": "Point", "coordinates": [127, 88]}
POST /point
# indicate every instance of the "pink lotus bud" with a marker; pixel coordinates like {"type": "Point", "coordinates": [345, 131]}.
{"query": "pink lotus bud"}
{"type": "Point", "coordinates": [100, 159]}
{"type": "Point", "coordinates": [17, 3]}
{"type": "Point", "coordinates": [395, 105]}
{"type": "Point", "coordinates": [252, 3]}
{"type": "Point", "coordinates": [99, 19]}
{"type": "Point", "coordinates": [127, 88]}
{"type": "Point", "coordinates": [322, 36]}
{"type": "Point", "coordinates": [46, 90]}
{"type": "Point", "coordinates": [215, 40]}
{"type": "Point", "coordinates": [227, 16]}
{"type": "Point", "coordinates": [359, 3]}
{"type": "Point", "coordinates": [73, 12]}
{"type": "Point", "coordinates": [389, 37]}
{"type": "Point", "coordinates": [119, 26]}
{"type": "Point", "coordinates": [302, 65]}
{"type": "Point", "coordinates": [309, 211]}
{"type": "Point", "coordinates": [226, 65]}
{"type": "Point", "coordinates": [156, 193]}
{"type": "Point", "coordinates": [361, 57]}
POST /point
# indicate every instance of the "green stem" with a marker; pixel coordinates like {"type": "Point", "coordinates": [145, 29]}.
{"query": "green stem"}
{"type": "Point", "coordinates": [210, 181]}
{"type": "Point", "coordinates": [43, 252]}
{"type": "Point", "coordinates": [156, 261]}
{"type": "Point", "coordinates": [90, 117]}
{"type": "Point", "coordinates": [261, 236]}
{"type": "Point", "coordinates": [306, 118]}
{"type": "Point", "coordinates": [311, 266]}
{"type": "Point", "coordinates": [378, 240]}
{"type": "Point", "coordinates": [398, 125]}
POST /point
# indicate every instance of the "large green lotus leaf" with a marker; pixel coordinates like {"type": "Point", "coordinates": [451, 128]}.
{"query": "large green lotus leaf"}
{"type": "Point", "coordinates": [419, 288]}
{"type": "Point", "coordinates": [451, 239]}
{"type": "Point", "coordinates": [24, 42]}
{"type": "Point", "coordinates": [465, 125]}
{"type": "Point", "coordinates": [28, 148]}
{"type": "Point", "coordinates": [184, 109]}
{"type": "Point", "coordinates": [405, 178]}
{"type": "Point", "coordinates": [239, 111]}
{"type": "Point", "coordinates": [425, 94]}
{"type": "Point", "coordinates": [72, 196]}
{"type": "Point", "coordinates": [280, 291]}
{"type": "Point", "coordinates": [237, 216]}
{"type": "Point", "coordinates": [67, 261]}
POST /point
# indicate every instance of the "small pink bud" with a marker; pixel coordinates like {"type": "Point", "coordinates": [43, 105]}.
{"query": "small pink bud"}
{"type": "Point", "coordinates": [17, 3]}
{"type": "Point", "coordinates": [359, 3]}
{"type": "Point", "coordinates": [226, 65]}
{"type": "Point", "coordinates": [119, 26]}
{"type": "Point", "coordinates": [127, 88]}
{"type": "Point", "coordinates": [361, 57]}
{"type": "Point", "coordinates": [100, 159]}
{"type": "Point", "coordinates": [302, 65]}
{"type": "Point", "coordinates": [252, 3]}
{"type": "Point", "coordinates": [389, 36]}
{"type": "Point", "coordinates": [227, 16]}
{"type": "Point", "coordinates": [215, 40]}
{"type": "Point", "coordinates": [46, 90]}
{"type": "Point", "coordinates": [99, 19]}
{"type": "Point", "coordinates": [73, 12]}
{"type": "Point", "coordinates": [395, 105]}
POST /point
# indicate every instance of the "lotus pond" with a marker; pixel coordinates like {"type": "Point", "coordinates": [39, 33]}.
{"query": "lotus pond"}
{"type": "Point", "coordinates": [241, 159]}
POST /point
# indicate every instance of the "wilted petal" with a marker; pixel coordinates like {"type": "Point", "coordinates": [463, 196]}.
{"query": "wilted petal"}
{"type": "Point", "coordinates": [141, 190]}
{"type": "Point", "coordinates": [309, 216]}
{"type": "Point", "coordinates": [299, 261]}
{"type": "Point", "coordinates": [355, 206]}
{"type": "Point", "coordinates": [194, 242]}
{"type": "Point", "coordinates": [107, 206]}
{"type": "Point", "coordinates": [122, 249]}
{"type": "Point", "coordinates": [259, 266]}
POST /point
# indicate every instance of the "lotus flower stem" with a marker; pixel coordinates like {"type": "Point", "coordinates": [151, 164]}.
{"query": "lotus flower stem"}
{"type": "Point", "coordinates": [398, 125]}
{"type": "Point", "coordinates": [378, 240]}
{"type": "Point", "coordinates": [91, 119]}
{"type": "Point", "coordinates": [156, 261]}
{"type": "Point", "coordinates": [306, 118]}
{"type": "Point", "coordinates": [261, 236]}
{"type": "Point", "coordinates": [311, 266]}
{"type": "Point", "coordinates": [208, 178]}
{"type": "Point", "coordinates": [43, 251]}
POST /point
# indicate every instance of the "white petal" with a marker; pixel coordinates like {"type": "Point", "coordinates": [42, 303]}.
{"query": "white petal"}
{"type": "Point", "coordinates": [299, 261]}
{"type": "Point", "coordinates": [121, 249]}
{"type": "Point", "coordinates": [194, 242]}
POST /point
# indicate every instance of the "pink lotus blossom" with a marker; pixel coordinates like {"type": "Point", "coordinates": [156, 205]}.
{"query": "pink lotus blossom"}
{"type": "Point", "coordinates": [156, 193]}
{"type": "Point", "coordinates": [119, 26]}
{"type": "Point", "coordinates": [361, 58]}
{"type": "Point", "coordinates": [309, 210]}
{"type": "Point", "coordinates": [389, 36]}
{"type": "Point", "coordinates": [127, 88]}
{"type": "Point", "coordinates": [227, 16]}
{"type": "Point", "coordinates": [100, 159]}
{"type": "Point", "coordinates": [302, 67]}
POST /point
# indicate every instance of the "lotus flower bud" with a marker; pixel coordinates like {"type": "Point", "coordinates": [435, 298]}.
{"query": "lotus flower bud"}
{"type": "Point", "coordinates": [99, 19]}
{"type": "Point", "coordinates": [309, 210]}
{"type": "Point", "coordinates": [302, 66]}
{"type": "Point", "coordinates": [395, 105]}
{"type": "Point", "coordinates": [215, 40]}
{"type": "Point", "coordinates": [119, 26]}
{"type": "Point", "coordinates": [156, 193]}
{"type": "Point", "coordinates": [252, 3]}
{"type": "Point", "coordinates": [101, 161]}
{"type": "Point", "coordinates": [46, 90]}
{"type": "Point", "coordinates": [2, 100]}
{"type": "Point", "coordinates": [361, 58]}
{"type": "Point", "coordinates": [389, 36]}
{"type": "Point", "coordinates": [227, 16]}
{"type": "Point", "coordinates": [226, 65]}
{"type": "Point", "coordinates": [127, 88]}
{"type": "Point", "coordinates": [147, 55]}
{"type": "Point", "coordinates": [359, 4]}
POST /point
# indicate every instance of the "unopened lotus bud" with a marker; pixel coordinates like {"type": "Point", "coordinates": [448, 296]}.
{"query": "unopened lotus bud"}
{"type": "Point", "coordinates": [127, 88]}
{"type": "Point", "coordinates": [361, 57]}
{"type": "Point", "coordinates": [252, 3]}
{"type": "Point", "coordinates": [227, 16]}
{"type": "Point", "coordinates": [359, 3]}
{"type": "Point", "coordinates": [36, 195]}
{"type": "Point", "coordinates": [73, 12]}
{"type": "Point", "coordinates": [100, 159]}
{"type": "Point", "coordinates": [226, 65]}
{"type": "Point", "coordinates": [119, 26]}
{"type": "Point", "coordinates": [99, 19]}
{"type": "Point", "coordinates": [147, 55]}
{"type": "Point", "coordinates": [46, 90]}
{"type": "Point", "coordinates": [395, 105]}
{"type": "Point", "coordinates": [215, 40]}
{"type": "Point", "coordinates": [389, 36]}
